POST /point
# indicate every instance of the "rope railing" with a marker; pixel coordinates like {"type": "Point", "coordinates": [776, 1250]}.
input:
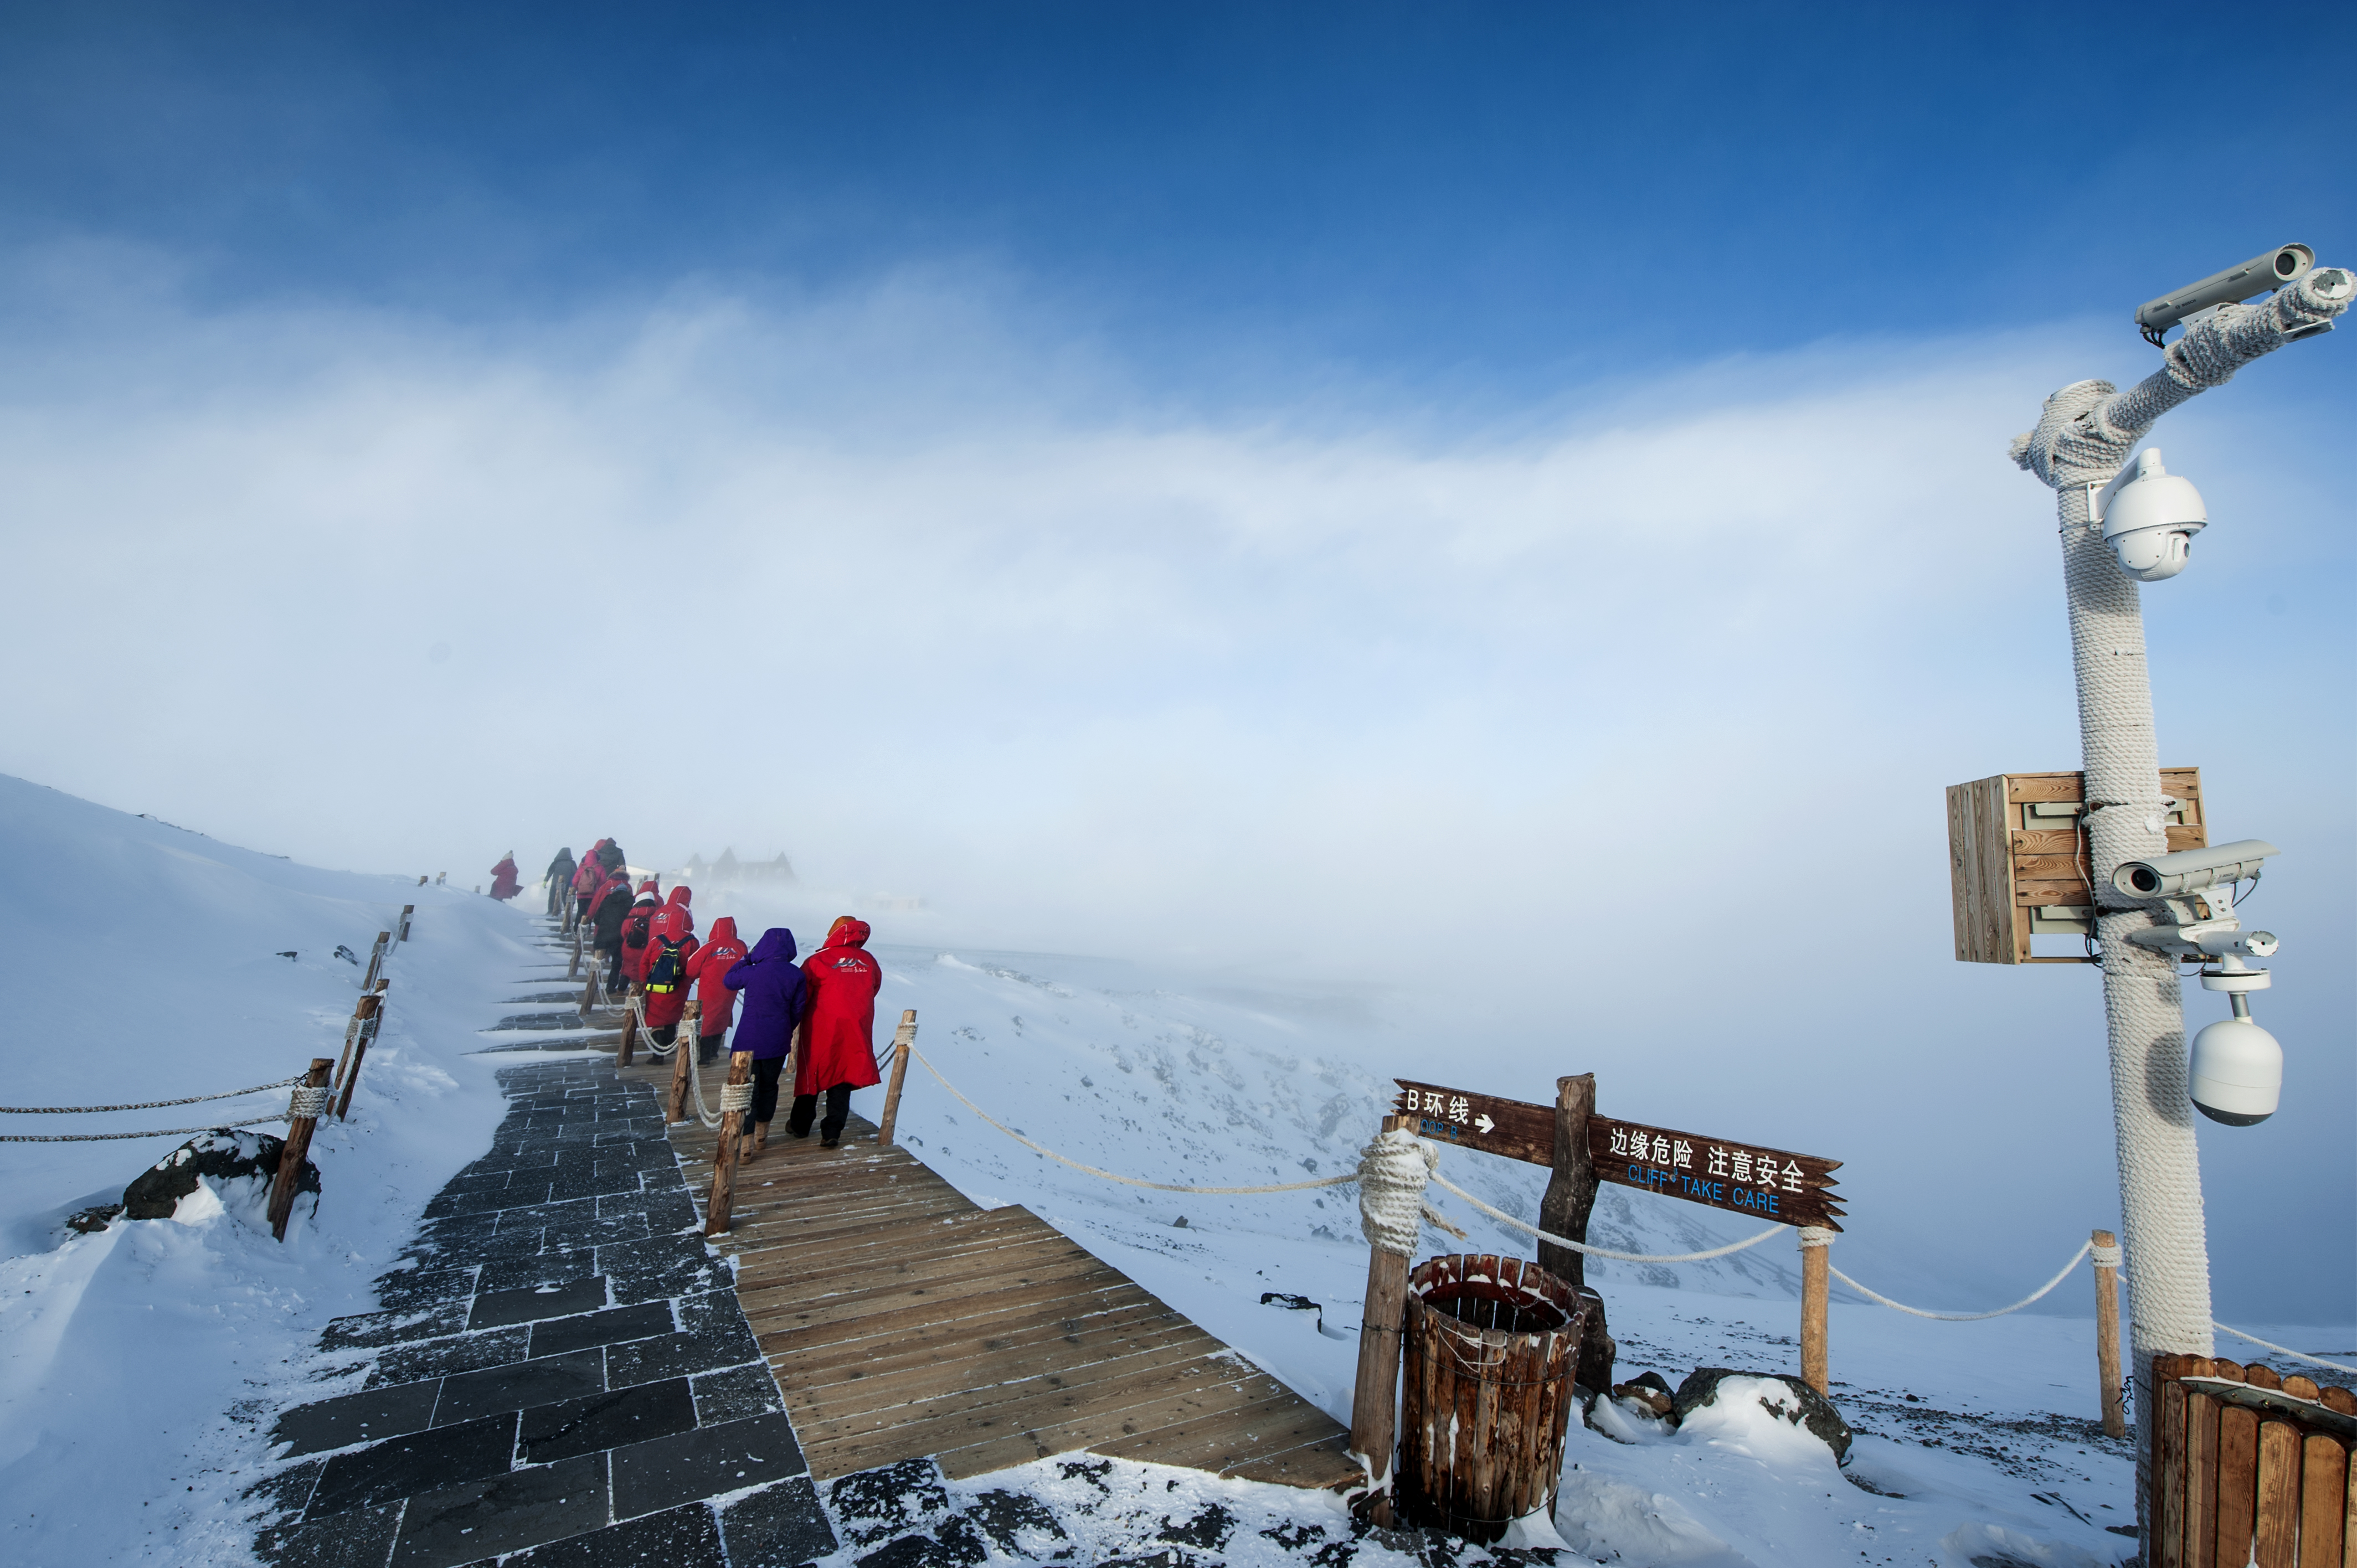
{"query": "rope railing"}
{"type": "Point", "coordinates": [144, 1104]}
{"type": "Point", "coordinates": [152, 1133]}
{"type": "Point", "coordinates": [2285, 1349]}
{"type": "Point", "coordinates": [2062, 1275]}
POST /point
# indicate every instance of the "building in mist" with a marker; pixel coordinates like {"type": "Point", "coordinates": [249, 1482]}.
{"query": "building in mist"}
{"type": "Point", "coordinates": [730, 871]}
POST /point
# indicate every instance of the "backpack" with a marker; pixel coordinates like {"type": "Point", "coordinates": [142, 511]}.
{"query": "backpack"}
{"type": "Point", "coordinates": [635, 929]}
{"type": "Point", "coordinates": [668, 971]}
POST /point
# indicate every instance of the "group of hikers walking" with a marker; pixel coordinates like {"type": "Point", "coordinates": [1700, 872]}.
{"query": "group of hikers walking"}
{"type": "Point", "coordinates": [646, 942]}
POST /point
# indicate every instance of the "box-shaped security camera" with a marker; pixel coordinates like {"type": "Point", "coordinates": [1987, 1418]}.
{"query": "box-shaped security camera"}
{"type": "Point", "coordinates": [2017, 863]}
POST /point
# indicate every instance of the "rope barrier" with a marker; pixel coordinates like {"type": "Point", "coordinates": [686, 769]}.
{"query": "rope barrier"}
{"type": "Point", "coordinates": [2084, 1248]}
{"type": "Point", "coordinates": [735, 1098]}
{"type": "Point", "coordinates": [704, 1114]}
{"type": "Point", "coordinates": [2285, 1349]}
{"type": "Point", "coordinates": [1583, 1248]}
{"type": "Point", "coordinates": [141, 1105]}
{"type": "Point", "coordinates": [1110, 1176]}
{"type": "Point", "coordinates": [157, 1132]}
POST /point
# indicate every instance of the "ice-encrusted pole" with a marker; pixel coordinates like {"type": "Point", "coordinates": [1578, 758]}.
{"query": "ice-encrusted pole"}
{"type": "Point", "coordinates": [2084, 436]}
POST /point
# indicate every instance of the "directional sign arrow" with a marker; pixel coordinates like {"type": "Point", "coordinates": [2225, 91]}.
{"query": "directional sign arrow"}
{"type": "Point", "coordinates": [1484, 1122]}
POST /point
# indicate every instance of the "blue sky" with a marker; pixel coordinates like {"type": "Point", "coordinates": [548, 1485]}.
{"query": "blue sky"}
{"type": "Point", "coordinates": [1335, 496]}
{"type": "Point", "coordinates": [1503, 196]}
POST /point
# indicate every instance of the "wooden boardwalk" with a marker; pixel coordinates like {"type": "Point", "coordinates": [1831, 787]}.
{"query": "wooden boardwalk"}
{"type": "Point", "coordinates": [901, 1321]}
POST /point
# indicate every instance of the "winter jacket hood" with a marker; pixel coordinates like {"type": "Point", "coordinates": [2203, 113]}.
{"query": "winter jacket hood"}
{"type": "Point", "coordinates": [774, 992]}
{"type": "Point", "coordinates": [846, 932]}
{"type": "Point", "coordinates": [777, 943]}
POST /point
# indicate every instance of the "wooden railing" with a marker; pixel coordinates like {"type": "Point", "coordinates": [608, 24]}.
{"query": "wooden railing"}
{"type": "Point", "coordinates": [2250, 1467]}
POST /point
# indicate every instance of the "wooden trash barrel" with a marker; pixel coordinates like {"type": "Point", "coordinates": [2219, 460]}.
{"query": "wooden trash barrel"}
{"type": "Point", "coordinates": [1491, 1346]}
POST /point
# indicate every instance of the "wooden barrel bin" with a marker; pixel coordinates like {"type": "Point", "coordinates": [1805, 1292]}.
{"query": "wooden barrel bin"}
{"type": "Point", "coordinates": [1491, 1346]}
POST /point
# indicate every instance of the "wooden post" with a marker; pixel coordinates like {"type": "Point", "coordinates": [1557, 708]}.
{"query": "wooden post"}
{"type": "Point", "coordinates": [2107, 1333]}
{"type": "Point", "coordinates": [401, 932]}
{"type": "Point", "coordinates": [1374, 1397]}
{"type": "Point", "coordinates": [367, 1025]}
{"type": "Point", "coordinates": [631, 1004]}
{"type": "Point", "coordinates": [682, 1060]}
{"type": "Point", "coordinates": [376, 961]}
{"type": "Point", "coordinates": [1570, 1196]}
{"type": "Point", "coordinates": [573, 969]}
{"type": "Point", "coordinates": [589, 993]}
{"type": "Point", "coordinates": [902, 1039]}
{"type": "Point", "coordinates": [297, 1149]}
{"type": "Point", "coordinates": [364, 1027]}
{"type": "Point", "coordinates": [723, 1155]}
{"type": "Point", "coordinates": [1816, 1370]}
{"type": "Point", "coordinates": [790, 1074]}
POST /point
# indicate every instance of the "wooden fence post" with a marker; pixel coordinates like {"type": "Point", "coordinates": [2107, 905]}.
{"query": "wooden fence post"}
{"type": "Point", "coordinates": [1374, 1397]}
{"type": "Point", "coordinates": [573, 969]}
{"type": "Point", "coordinates": [724, 1154]}
{"type": "Point", "coordinates": [2107, 1333]}
{"type": "Point", "coordinates": [1816, 1367]}
{"type": "Point", "coordinates": [401, 932]}
{"type": "Point", "coordinates": [682, 1060]}
{"type": "Point", "coordinates": [631, 1004]}
{"type": "Point", "coordinates": [376, 961]}
{"type": "Point", "coordinates": [294, 1152]}
{"type": "Point", "coordinates": [1570, 1197]}
{"type": "Point", "coordinates": [903, 1038]}
{"type": "Point", "coordinates": [367, 1026]}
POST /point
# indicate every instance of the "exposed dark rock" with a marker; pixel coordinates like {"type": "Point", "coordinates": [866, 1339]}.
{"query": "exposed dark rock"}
{"type": "Point", "coordinates": [1208, 1528]}
{"type": "Point", "coordinates": [89, 1221]}
{"type": "Point", "coordinates": [223, 1155]}
{"type": "Point", "coordinates": [1806, 1407]}
{"type": "Point", "coordinates": [1648, 1390]}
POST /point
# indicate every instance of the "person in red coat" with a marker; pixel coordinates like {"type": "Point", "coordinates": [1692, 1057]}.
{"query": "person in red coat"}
{"type": "Point", "coordinates": [838, 1052]}
{"type": "Point", "coordinates": [504, 882]}
{"type": "Point", "coordinates": [671, 947]}
{"type": "Point", "coordinates": [587, 882]}
{"type": "Point", "coordinates": [639, 934]}
{"type": "Point", "coordinates": [709, 969]}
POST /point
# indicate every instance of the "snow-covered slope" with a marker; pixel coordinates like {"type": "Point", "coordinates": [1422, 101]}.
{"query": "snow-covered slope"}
{"type": "Point", "coordinates": [140, 964]}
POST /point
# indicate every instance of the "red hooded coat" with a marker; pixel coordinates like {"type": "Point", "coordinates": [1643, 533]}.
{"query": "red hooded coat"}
{"type": "Point", "coordinates": [664, 1008]}
{"type": "Point", "coordinates": [589, 875]}
{"type": "Point", "coordinates": [672, 919]}
{"type": "Point", "coordinates": [837, 1032]}
{"type": "Point", "coordinates": [713, 960]}
{"type": "Point", "coordinates": [636, 959]}
{"type": "Point", "coordinates": [504, 883]}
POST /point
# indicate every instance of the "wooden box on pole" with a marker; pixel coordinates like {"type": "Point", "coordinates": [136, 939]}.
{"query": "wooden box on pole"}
{"type": "Point", "coordinates": [903, 1039]}
{"type": "Point", "coordinates": [723, 1155]}
{"type": "Point", "coordinates": [296, 1150]}
{"type": "Point", "coordinates": [2018, 863]}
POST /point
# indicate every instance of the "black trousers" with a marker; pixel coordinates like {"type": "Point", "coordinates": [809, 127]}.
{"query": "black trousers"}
{"type": "Point", "coordinates": [838, 1112]}
{"type": "Point", "coordinates": [765, 1084]}
{"type": "Point", "coordinates": [614, 972]}
{"type": "Point", "coordinates": [707, 1046]}
{"type": "Point", "coordinates": [662, 1037]}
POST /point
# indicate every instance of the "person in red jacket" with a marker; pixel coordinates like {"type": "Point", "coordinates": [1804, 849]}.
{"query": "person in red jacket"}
{"type": "Point", "coordinates": [505, 881]}
{"type": "Point", "coordinates": [671, 949]}
{"type": "Point", "coordinates": [638, 933]}
{"type": "Point", "coordinates": [587, 881]}
{"type": "Point", "coordinates": [838, 1052]}
{"type": "Point", "coordinates": [708, 969]}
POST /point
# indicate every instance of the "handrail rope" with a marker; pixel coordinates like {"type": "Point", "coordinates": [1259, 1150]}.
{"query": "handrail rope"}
{"type": "Point", "coordinates": [2285, 1350]}
{"type": "Point", "coordinates": [704, 1114]}
{"type": "Point", "coordinates": [2084, 1248]}
{"type": "Point", "coordinates": [144, 1104]}
{"type": "Point", "coordinates": [107, 1137]}
{"type": "Point", "coordinates": [1582, 1247]}
{"type": "Point", "coordinates": [1110, 1176]}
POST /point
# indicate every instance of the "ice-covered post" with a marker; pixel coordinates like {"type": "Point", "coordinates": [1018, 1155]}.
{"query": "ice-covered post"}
{"type": "Point", "coordinates": [303, 1112]}
{"type": "Point", "coordinates": [367, 1022]}
{"type": "Point", "coordinates": [376, 961]}
{"type": "Point", "coordinates": [401, 933]}
{"type": "Point", "coordinates": [1374, 1397]}
{"type": "Point", "coordinates": [904, 1038]}
{"type": "Point", "coordinates": [2084, 436]}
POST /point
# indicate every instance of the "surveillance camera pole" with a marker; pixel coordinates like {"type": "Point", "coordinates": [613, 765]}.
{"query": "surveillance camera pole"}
{"type": "Point", "coordinates": [2083, 437]}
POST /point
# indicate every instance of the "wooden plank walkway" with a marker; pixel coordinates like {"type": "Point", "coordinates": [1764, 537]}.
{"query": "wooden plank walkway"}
{"type": "Point", "coordinates": [903, 1321]}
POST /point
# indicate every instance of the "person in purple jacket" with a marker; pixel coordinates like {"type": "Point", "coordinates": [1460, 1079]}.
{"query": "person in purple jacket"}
{"type": "Point", "coordinates": [775, 994]}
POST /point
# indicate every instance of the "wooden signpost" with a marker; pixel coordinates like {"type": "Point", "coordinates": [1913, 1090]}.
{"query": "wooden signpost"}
{"type": "Point", "coordinates": [1582, 1148]}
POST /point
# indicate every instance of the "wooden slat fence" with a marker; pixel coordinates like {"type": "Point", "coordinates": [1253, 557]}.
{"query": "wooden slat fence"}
{"type": "Point", "coordinates": [2250, 1467]}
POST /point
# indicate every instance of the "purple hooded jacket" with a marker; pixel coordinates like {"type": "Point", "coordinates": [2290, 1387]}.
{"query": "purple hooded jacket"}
{"type": "Point", "coordinates": [774, 992]}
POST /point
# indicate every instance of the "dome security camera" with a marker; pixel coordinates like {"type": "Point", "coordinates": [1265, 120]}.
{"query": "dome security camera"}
{"type": "Point", "coordinates": [2149, 517]}
{"type": "Point", "coordinates": [2235, 1070]}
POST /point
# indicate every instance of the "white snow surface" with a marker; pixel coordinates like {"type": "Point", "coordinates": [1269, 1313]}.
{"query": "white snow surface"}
{"type": "Point", "coordinates": [155, 1354]}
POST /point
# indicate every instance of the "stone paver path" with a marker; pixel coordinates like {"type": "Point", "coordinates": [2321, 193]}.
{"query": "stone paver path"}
{"type": "Point", "coordinates": [563, 1376]}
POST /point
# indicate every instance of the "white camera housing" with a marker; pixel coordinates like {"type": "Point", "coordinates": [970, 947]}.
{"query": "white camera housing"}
{"type": "Point", "coordinates": [2149, 517]}
{"type": "Point", "coordinates": [2193, 870]}
{"type": "Point", "coordinates": [2261, 275]}
{"type": "Point", "coordinates": [2236, 1072]}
